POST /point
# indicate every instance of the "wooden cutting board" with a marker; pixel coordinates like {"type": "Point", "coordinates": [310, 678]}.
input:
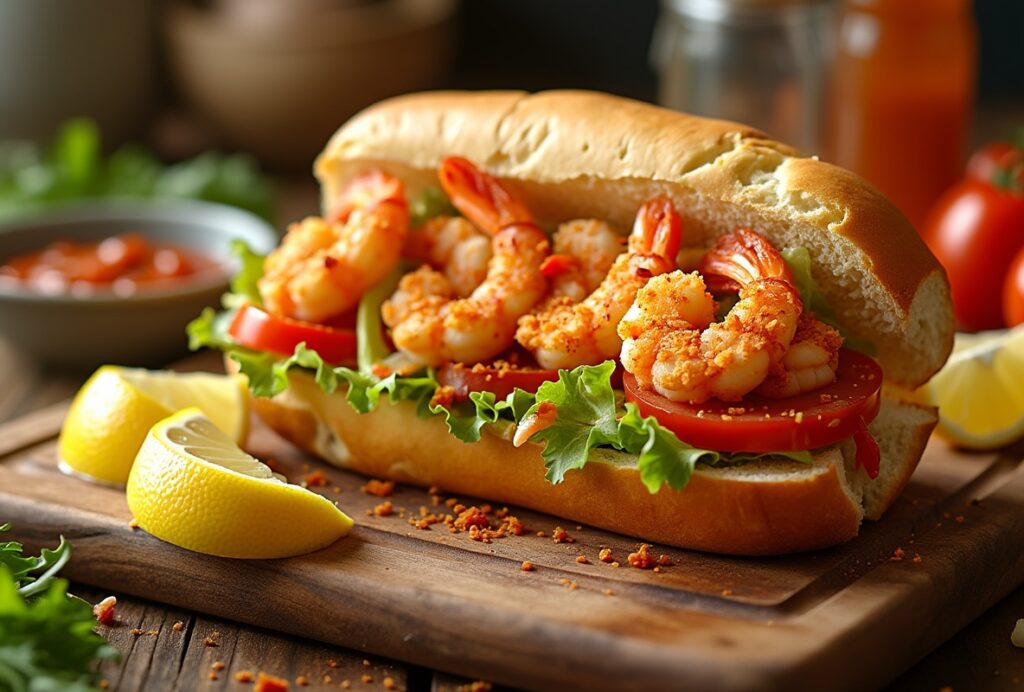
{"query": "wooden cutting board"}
{"type": "Point", "coordinates": [848, 618]}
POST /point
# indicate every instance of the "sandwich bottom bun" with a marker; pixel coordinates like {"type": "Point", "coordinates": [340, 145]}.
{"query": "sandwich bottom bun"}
{"type": "Point", "coordinates": [768, 507]}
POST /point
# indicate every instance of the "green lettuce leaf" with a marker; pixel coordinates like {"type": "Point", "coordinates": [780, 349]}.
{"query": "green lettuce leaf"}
{"type": "Point", "coordinates": [244, 284]}
{"type": "Point", "coordinates": [799, 261]}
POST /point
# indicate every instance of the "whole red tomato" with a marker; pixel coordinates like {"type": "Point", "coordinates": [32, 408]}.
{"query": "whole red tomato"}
{"type": "Point", "coordinates": [1013, 292]}
{"type": "Point", "coordinates": [993, 160]}
{"type": "Point", "coordinates": [975, 230]}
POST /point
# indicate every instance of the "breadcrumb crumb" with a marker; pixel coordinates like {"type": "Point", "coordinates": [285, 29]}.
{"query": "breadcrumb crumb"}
{"type": "Point", "coordinates": [560, 535]}
{"type": "Point", "coordinates": [384, 509]}
{"type": "Point", "coordinates": [317, 479]}
{"type": "Point", "coordinates": [605, 555]}
{"type": "Point", "coordinates": [527, 566]}
{"type": "Point", "coordinates": [642, 558]}
{"type": "Point", "coordinates": [897, 555]}
{"type": "Point", "coordinates": [379, 488]}
{"type": "Point", "coordinates": [243, 676]}
{"type": "Point", "coordinates": [269, 683]}
{"type": "Point", "coordinates": [582, 559]}
{"type": "Point", "coordinates": [178, 626]}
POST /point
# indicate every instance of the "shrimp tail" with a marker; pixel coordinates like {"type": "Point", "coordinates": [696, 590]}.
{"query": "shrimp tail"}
{"type": "Point", "coordinates": [480, 197]}
{"type": "Point", "coordinates": [740, 258]}
{"type": "Point", "coordinates": [657, 234]}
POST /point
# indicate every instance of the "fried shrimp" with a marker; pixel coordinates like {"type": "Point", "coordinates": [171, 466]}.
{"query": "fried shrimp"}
{"type": "Point", "coordinates": [453, 246]}
{"type": "Point", "coordinates": [671, 344]}
{"type": "Point", "coordinates": [566, 334]}
{"type": "Point", "coordinates": [428, 324]}
{"type": "Point", "coordinates": [809, 364]}
{"type": "Point", "coordinates": [584, 252]}
{"type": "Point", "coordinates": [323, 267]}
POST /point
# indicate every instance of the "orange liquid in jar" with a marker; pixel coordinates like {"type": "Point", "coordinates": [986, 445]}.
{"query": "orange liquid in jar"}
{"type": "Point", "coordinates": [902, 95]}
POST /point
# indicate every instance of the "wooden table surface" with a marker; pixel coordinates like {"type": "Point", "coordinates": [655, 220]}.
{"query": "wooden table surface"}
{"type": "Point", "coordinates": [207, 653]}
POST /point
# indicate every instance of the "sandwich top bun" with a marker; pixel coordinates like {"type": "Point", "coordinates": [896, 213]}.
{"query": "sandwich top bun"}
{"type": "Point", "coordinates": [572, 154]}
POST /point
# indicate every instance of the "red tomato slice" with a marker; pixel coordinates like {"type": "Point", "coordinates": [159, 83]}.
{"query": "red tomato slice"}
{"type": "Point", "coordinates": [759, 424]}
{"type": "Point", "coordinates": [500, 380]}
{"type": "Point", "coordinates": [258, 329]}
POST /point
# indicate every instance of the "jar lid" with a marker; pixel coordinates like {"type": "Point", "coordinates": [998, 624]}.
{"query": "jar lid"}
{"type": "Point", "coordinates": [725, 9]}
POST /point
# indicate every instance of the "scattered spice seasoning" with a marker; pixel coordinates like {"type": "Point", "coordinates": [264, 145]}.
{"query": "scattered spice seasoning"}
{"type": "Point", "coordinates": [301, 681]}
{"type": "Point", "coordinates": [609, 592]}
{"type": "Point", "coordinates": [317, 479]}
{"type": "Point", "coordinates": [213, 675]}
{"type": "Point", "coordinates": [918, 559]}
{"type": "Point", "coordinates": [582, 559]}
{"type": "Point", "coordinates": [897, 555]}
{"type": "Point", "coordinates": [212, 639]}
{"type": "Point", "coordinates": [243, 676]}
{"type": "Point", "coordinates": [527, 566]}
{"type": "Point", "coordinates": [217, 665]}
{"type": "Point", "coordinates": [178, 626]}
{"type": "Point", "coordinates": [665, 560]}
{"type": "Point", "coordinates": [542, 534]}
{"type": "Point", "coordinates": [367, 678]}
{"type": "Point", "coordinates": [605, 555]}
{"type": "Point", "coordinates": [384, 509]}
{"type": "Point", "coordinates": [389, 683]}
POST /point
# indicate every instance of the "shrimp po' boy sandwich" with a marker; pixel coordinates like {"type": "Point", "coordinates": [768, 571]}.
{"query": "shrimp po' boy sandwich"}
{"type": "Point", "coordinates": [666, 326]}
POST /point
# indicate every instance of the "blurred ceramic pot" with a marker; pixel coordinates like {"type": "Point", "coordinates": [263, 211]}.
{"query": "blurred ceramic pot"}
{"type": "Point", "coordinates": [61, 59]}
{"type": "Point", "coordinates": [280, 89]}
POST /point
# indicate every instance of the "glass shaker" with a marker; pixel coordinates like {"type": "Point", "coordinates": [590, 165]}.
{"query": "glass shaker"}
{"type": "Point", "coordinates": [759, 62]}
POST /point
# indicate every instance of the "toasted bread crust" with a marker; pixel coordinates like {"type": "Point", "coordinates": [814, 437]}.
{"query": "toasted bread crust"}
{"type": "Point", "coordinates": [582, 154]}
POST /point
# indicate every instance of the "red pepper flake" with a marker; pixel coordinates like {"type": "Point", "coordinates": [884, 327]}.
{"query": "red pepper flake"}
{"type": "Point", "coordinates": [527, 566]}
{"type": "Point", "coordinates": [379, 488]}
{"type": "Point", "coordinates": [273, 464]}
{"type": "Point", "coordinates": [104, 611]}
{"type": "Point", "coordinates": [269, 683]}
{"type": "Point", "coordinates": [897, 555]}
{"type": "Point", "coordinates": [605, 555]}
{"type": "Point", "coordinates": [317, 479]}
{"type": "Point", "coordinates": [468, 518]}
{"type": "Point", "coordinates": [642, 558]}
{"type": "Point", "coordinates": [560, 535]}
{"type": "Point", "coordinates": [384, 509]}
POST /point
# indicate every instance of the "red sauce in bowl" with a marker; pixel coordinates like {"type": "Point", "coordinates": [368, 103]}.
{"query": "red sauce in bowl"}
{"type": "Point", "coordinates": [123, 264]}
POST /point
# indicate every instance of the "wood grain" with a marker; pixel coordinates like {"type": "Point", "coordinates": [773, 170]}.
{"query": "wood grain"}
{"type": "Point", "coordinates": [441, 600]}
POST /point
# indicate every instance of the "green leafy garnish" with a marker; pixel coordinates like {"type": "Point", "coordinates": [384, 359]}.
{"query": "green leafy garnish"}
{"type": "Point", "coordinates": [430, 203]}
{"type": "Point", "coordinates": [799, 261]}
{"type": "Point", "coordinates": [244, 286]}
{"type": "Point", "coordinates": [46, 636]}
{"type": "Point", "coordinates": [31, 179]}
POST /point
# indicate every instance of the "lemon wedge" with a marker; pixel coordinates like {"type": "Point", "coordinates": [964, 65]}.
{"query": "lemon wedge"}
{"type": "Point", "coordinates": [192, 486]}
{"type": "Point", "coordinates": [979, 392]}
{"type": "Point", "coordinates": [116, 407]}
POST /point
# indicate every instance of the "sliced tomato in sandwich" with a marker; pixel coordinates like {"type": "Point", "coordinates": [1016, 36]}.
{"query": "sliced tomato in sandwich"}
{"type": "Point", "coordinates": [259, 330]}
{"type": "Point", "coordinates": [816, 419]}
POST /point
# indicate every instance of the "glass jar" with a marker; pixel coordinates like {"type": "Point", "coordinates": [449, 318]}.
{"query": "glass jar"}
{"type": "Point", "coordinates": [758, 62]}
{"type": "Point", "coordinates": [902, 95]}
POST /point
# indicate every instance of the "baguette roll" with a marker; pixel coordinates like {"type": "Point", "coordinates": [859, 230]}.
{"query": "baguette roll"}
{"type": "Point", "coordinates": [571, 154]}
